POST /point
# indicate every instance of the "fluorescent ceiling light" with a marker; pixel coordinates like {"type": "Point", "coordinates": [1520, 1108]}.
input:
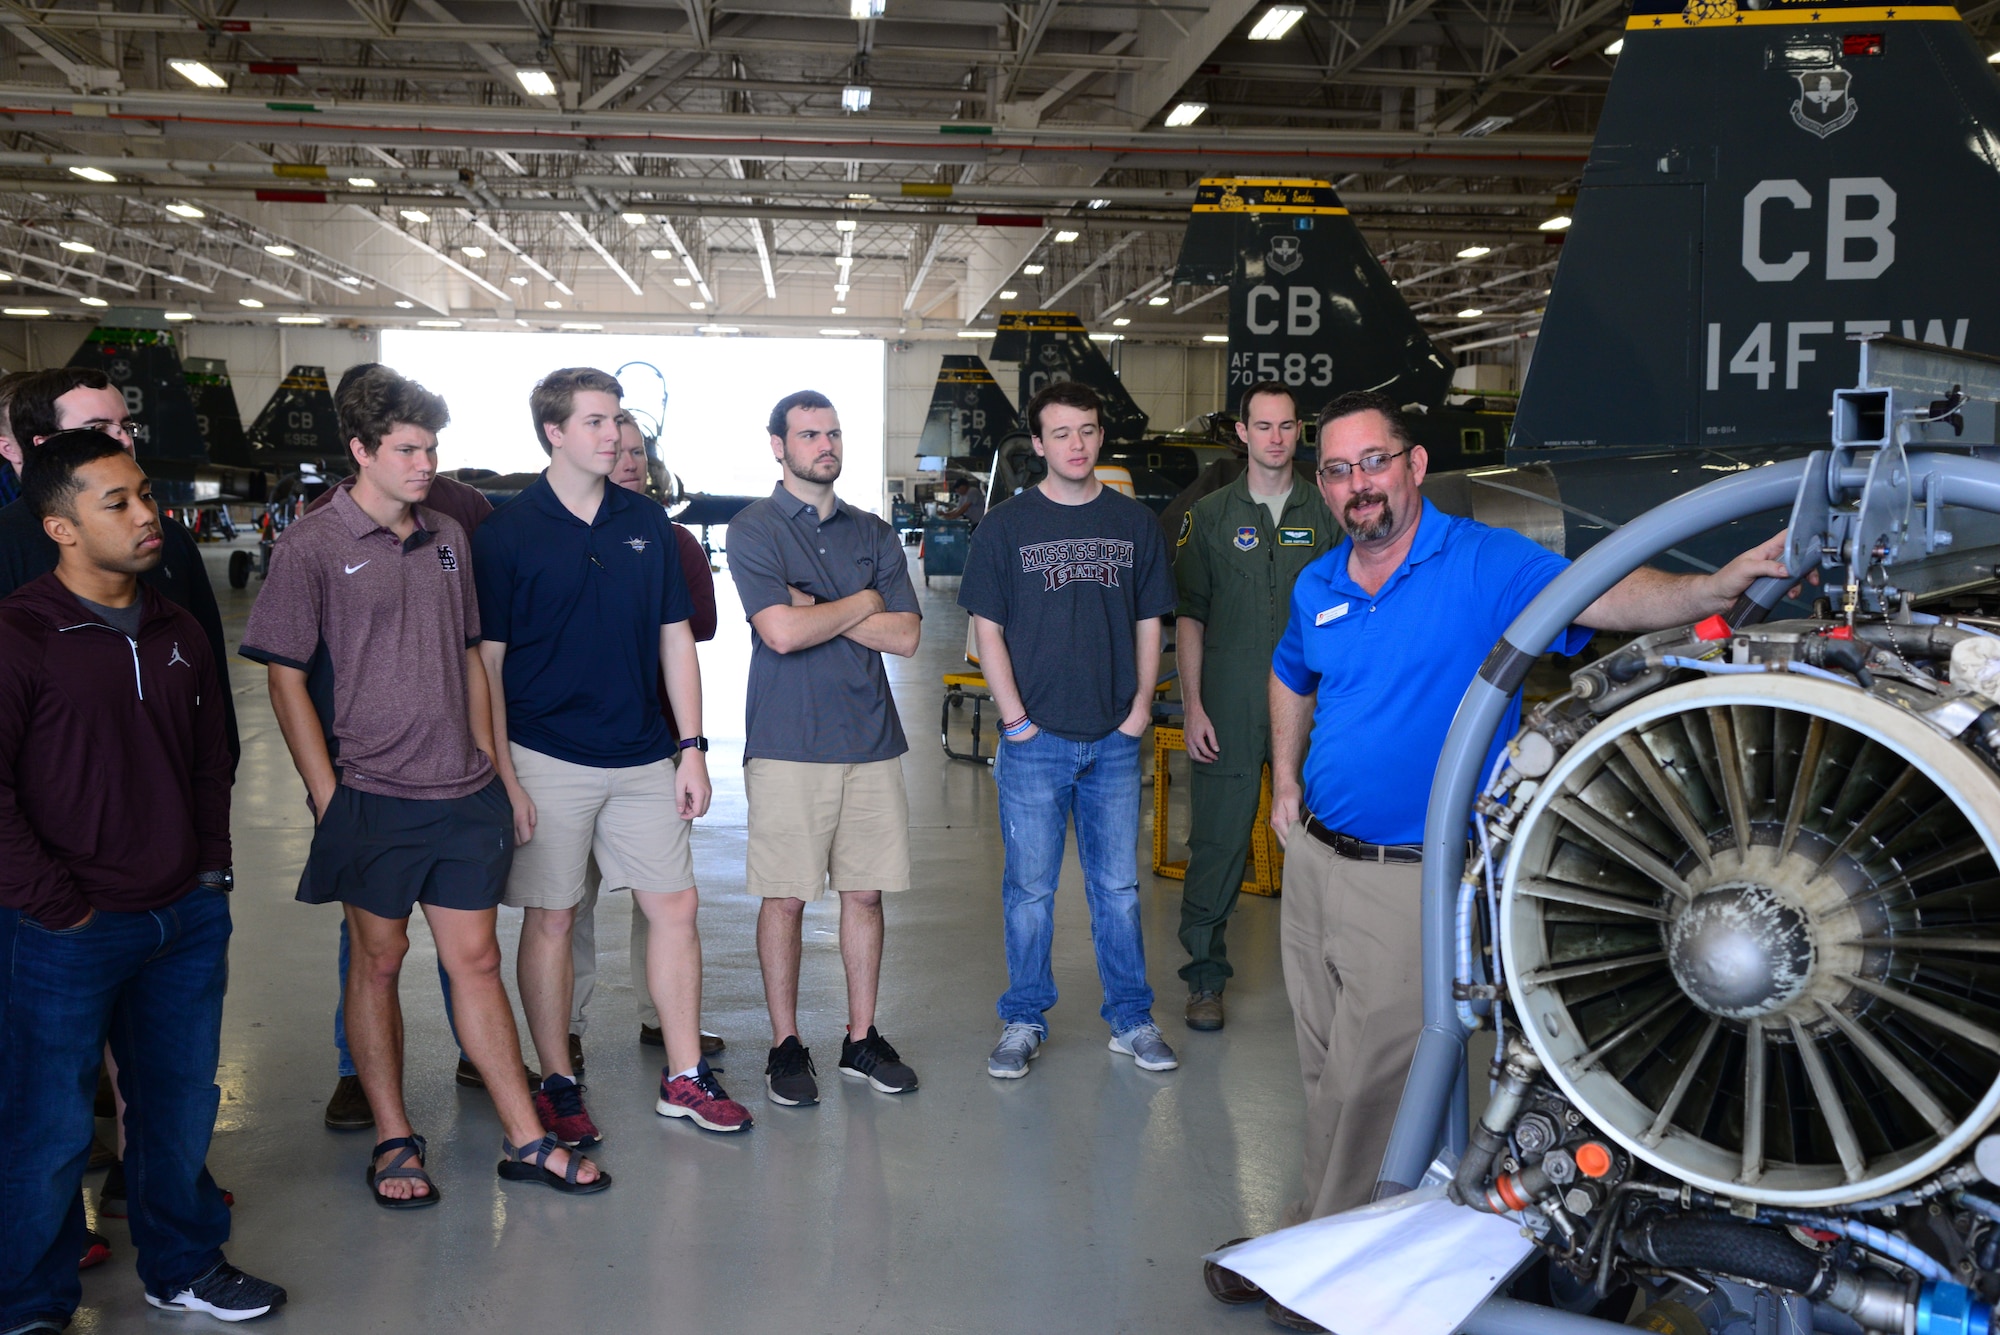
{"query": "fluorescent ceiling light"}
{"type": "Point", "coordinates": [975, 333]}
{"type": "Point", "coordinates": [1158, 301]}
{"type": "Point", "coordinates": [697, 305]}
{"type": "Point", "coordinates": [1474, 252]}
{"type": "Point", "coordinates": [1617, 45]}
{"type": "Point", "coordinates": [1276, 22]}
{"type": "Point", "coordinates": [718, 329]}
{"type": "Point", "coordinates": [283, 252]}
{"type": "Point", "coordinates": [855, 97]}
{"type": "Point", "coordinates": [536, 83]}
{"type": "Point", "coordinates": [24, 310]}
{"type": "Point", "coordinates": [579, 324]}
{"type": "Point", "coordinates": [1481, 128]}
{"type": "Point", "coordinates": [250, 302]}
{"type": "Point", "coordinates": [350, 280]}
{"type": "Point", "coordinates": [1470, 313]}
{"type": "Point", "coordinates": [198, 74]}
{"type": "Point", "coordinates": [840, 333]}
{"type": "Point", "coordinates": [1559, 223]}
{"type": "Point", "coordinates": [636, 219]}
{"type": "Point", "coordinates": [552, 304]}
{"type": "Point", "coordinates": [843, 224]}
{"type": "Point", "coordinates": [79, 248]}
{"type": "Point", "coordinates": [1215, 338]}
{"type": "Point", "coordinates": [1066, 236]}
{"type": "Point", "coordinates": [362, 182]}
{"type": "Point", "coordinates": [300, 319]}
{"type": "Point", "coordinates": [1008, 294]}
{"type": "Point", "coordinates": [683, 282]}
{"type": "Point", "coordinates": [1098, 204]}
{"type": "Point", "coordinates": [1993, 59]}
{"type": "Point", "coordinates": [1121, 322]}
{"type": "Point", "coordinates": [858, 197]}
{"type": "Point", "coordinates": [405, 305]}
{"type": "Point", "coordinates": [97, 174]}
{"type": "Point", "coordinates": [861, 10]}
{"type": "Point", "coordinates": [1108, 338]}
{"type": "Point", "coordinates": [473, 252]}
{"type": "Point", "coordinates": [1032, 269]}
{"type": "Point", "coordinates": [663, 254]}
{"type": "Point", "coordinates": [93, 301]}
{"type": "Point", "coordinates": [180, 315]}
{"type": "Point", "coordinates": [439, 324]}
{"type": "Point", "coordinates": [1187, 113]}
{"type": "Point", "coordinates": [415, 215]}
{"type": "Point", "coordinates": [838, 310]}
{"type": "Point", "coordinates": [518, 280]}
{"type": "Point", "coordinates": [185, 211]}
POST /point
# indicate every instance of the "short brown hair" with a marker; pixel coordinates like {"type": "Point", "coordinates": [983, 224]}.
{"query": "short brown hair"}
{"type": "Point", "coordinates": [373, 400]}
{"type": "Point", "coordinates": [1368, 401]}
{"type": "Point", "coordinates": [553, 398]}
{"type": "Point", "coordinates": [31, 406]}
{"type": "Point", "coordinates": [1268, 387]}
{"type": "Point", "coordinates": [1069, 394]}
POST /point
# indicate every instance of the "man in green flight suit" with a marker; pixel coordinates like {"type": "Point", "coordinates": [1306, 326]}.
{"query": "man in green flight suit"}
{"type": "Point", "coordinates": [1236, 555]}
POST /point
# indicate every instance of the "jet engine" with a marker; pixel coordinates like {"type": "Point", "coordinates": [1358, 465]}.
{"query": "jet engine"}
{"type": "Point", "coordinates": [1743, 890]}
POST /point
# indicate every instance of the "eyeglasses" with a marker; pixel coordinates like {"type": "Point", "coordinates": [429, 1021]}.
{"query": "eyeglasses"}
{"type": "Point", "coordinates": [1371, 464]}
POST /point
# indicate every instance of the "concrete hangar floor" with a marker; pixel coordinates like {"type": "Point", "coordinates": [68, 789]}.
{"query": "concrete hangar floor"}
{"type": "Point", "coordinates": [1078, 1199]}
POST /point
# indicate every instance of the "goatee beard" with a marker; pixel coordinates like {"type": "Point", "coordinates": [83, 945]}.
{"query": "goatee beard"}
{"type": "Point", "coordinates": [1379, 527]}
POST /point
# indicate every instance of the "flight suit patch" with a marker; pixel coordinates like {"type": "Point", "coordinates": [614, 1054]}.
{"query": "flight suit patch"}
{"type": "Point", "coordinates": [1295, 537]}
{"type": "Point", "coordinates": [1187, 527]}
{"type": "Point", "coordinates": [1246, 538]}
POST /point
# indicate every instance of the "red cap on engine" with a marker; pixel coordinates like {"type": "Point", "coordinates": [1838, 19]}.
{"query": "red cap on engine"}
{"type": "Point", "coordinates": [1593, 1158]}
{"type": "Point", "coordinates": [1713, 628]}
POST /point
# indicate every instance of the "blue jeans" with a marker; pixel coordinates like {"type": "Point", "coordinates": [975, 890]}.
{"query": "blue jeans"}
{"type": "Point", "coordinates": [1043, 782]}
{"type": "Point", "coordinates": [340, 1008]}
{"type": "Point", "coordinates": [152, 983]}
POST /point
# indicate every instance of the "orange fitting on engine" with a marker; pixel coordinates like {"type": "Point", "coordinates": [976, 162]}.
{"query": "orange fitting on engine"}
{"type": "Point", "coordinates": [1593, 1158]}
{"type": "Point", "coordinates": [1508, 1189]}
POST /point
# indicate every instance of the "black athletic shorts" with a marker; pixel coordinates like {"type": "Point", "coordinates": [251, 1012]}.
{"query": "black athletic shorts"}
{"type": "Point", "coordinates": [388, 854]}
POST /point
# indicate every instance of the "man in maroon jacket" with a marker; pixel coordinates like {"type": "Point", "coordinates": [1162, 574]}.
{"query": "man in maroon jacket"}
{"type": "Point", "coordinates": [114, 915]}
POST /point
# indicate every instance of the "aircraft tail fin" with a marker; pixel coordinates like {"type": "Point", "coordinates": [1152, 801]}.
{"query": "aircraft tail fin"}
{"type": "Point", "coordinates": [969, 413]}
{"type": "Point", "coordinates": [145, 366]}
{"type": "Point", "coordinates": [1309, 304]}
{"type": "Point", "coordinates": [300, 419]}
{"type": "Point", "coordinates": [1769, 178]}
{"type": "Point", "coordinates": [215, 410]}
{"type": "Point", "coordinates": [1054, 345]}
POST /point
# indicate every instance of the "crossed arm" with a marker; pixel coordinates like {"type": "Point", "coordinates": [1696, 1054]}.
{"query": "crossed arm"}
{"type": "Point", "coordinates": [861, 617]}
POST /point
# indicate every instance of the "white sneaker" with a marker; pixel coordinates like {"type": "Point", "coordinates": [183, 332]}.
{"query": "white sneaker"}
{"type": "Point", "coordinates": [1143, 1044]}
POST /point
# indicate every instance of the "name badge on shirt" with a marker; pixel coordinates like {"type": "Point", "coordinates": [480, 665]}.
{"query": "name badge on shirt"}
{"type": "Point", "coordinates": [1331, 614]}
{"type": "Point", "coordinates": [1295, 537]}
{"type": "Point", "coordinates": [1246, 538]}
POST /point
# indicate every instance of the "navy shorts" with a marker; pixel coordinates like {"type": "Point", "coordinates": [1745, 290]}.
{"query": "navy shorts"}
{"type": "Point", "coordinates": [388, 854]}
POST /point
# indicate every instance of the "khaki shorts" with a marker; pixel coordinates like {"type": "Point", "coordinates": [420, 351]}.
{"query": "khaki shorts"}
{"type": "Point", "coordinates": [811, 824]}
{"type": "Point", "coordinates": [625, 816]}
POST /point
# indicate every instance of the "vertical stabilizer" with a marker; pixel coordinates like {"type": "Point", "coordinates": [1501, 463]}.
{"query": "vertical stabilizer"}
{"type": "Point", "coordinates": [300, 420]}
{"type": "Point", "coordinates": [1766, 182]}
{"type": "Point", "coordinates": [215, 410]}
{"type": "Point", "coordinates": [1309, 304]}
{"type": "Point", "coordinates": [1054, 345]}
{"type": "Point", "coordinates": [969, 413]}
{"type": "Point", "coordinates": [145, 366]}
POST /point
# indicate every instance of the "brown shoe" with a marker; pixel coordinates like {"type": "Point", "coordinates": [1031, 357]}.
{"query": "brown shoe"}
{"type": "Point", "coordinates": [711, 1044]}
{"type": "Point", "coordinates": [1225, 1285]}
{"type": "Point", "coordinates": [1285, 1318]}
{"type": "Point", "coordinates": [101, 1154]}
{"type": "Point", "coordinates": [348, 1109]}
{"type": "Point", "coordinates": [468, 1075]}
{"type": "Point", "coordinates": [576, 1055]}
{"type": "Point", "coordinates": [1204, 1011]}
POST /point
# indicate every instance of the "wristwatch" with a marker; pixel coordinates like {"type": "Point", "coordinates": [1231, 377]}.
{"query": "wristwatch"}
{"type": "Point", "coordinates": [224, 880]}
{"type": "Point", "coordinates": [698, 743]}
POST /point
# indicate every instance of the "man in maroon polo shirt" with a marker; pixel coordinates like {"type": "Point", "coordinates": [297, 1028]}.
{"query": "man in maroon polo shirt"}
{"type": "Point", "coordinates": [399, 770]}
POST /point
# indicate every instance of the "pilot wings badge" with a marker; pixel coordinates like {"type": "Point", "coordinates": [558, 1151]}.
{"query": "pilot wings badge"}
{"type": "Point", "coordinates": [1823, 105]}
{"type": "Point", "coordinates": [1285, 254]}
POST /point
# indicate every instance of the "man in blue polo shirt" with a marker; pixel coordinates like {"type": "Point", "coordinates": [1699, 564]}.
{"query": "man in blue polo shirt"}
{"type": "Point", "coordinates": [582, 603]}
{"type": "Point", "coordinates": [1386, 631]}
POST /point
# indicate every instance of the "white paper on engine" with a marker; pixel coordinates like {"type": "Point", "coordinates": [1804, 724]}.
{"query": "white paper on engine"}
{"type": "Point", "coordinates": [1415, 1264]}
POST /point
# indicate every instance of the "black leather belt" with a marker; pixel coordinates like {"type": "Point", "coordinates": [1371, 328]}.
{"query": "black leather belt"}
{"type": "Point", "coordinates": [1360, 850]}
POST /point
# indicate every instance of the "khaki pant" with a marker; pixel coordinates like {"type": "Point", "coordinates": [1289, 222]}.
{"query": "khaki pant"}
{"type": "Point", "coordinates": [583, 957]}
{"type": "Point", "coordinates": [1350, 938]}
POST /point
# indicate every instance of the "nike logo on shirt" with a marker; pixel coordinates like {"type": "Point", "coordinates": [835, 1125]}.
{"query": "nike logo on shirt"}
{"type": "Point", "coordinates": [351, 569]}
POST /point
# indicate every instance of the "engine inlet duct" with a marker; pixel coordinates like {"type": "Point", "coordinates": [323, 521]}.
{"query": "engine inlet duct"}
{"type": "Point", "coordinates": [1751, 926]}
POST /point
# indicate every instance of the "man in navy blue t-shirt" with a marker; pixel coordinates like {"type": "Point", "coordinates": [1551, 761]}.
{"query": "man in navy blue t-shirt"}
{"type": "Point", "coordinates": [1386, 631]}
{"type": "Point", "coordinates": [1067, 584]}
{"type": "Point", "coordinates": [581, 603]}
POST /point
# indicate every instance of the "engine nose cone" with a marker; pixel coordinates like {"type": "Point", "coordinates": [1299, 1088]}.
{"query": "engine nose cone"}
{"type": "Point", "coordinates": [1740, 952]}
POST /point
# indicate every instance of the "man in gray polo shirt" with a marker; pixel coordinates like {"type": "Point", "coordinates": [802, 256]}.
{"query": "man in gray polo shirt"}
{"type": "Point", "coordinates": [827, 594]}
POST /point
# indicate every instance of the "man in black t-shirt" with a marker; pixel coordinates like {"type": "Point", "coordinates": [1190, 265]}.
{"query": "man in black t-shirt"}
{"type": "Point", "coordinates": [1067, 583]}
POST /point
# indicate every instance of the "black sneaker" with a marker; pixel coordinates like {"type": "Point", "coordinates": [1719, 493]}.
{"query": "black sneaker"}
{"type": "Point", "coordinates": [873, 1060]}
{"type": "Point", "coordinates": [225, 1293]}
{"type": "Point", "coordinates": [788, 1075]}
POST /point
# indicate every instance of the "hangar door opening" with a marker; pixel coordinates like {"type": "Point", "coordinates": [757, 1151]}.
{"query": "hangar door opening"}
{"type": "Point", "coordinates": [719, 395]}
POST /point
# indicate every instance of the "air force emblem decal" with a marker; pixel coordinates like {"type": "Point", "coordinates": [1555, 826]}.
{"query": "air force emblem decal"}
{"type": "Point", "coordinates": [1285, 254]}
{"type": "Point", "coordinates": [1823, 105]}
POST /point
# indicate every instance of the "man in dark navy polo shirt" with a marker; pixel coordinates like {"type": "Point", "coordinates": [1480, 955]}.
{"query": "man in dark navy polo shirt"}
{"type": "Point", "coordinates": [1385, 632]}
{"type": "Point", "coordinates": [581, 602]}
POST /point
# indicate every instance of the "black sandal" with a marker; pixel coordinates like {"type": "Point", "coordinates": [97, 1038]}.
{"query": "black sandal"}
{"type": "Point", "coordinates": [409, 1149]}
{"type": "Point", "coordinates": [530, 1163]}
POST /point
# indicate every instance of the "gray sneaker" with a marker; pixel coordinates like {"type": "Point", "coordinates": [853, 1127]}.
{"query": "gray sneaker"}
{"type": "Point", "coordinates": [1143, 1044]}
{"type": "Point", "coordinates": [1017, 1047]}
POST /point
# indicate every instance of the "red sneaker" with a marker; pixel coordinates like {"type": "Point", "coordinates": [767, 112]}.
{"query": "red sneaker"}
{"type": "Point", "coordinates": [560, 1106]}
{"type": "Point", "coordinates": [96, 1251]}
{"type": "Point", "coordinates": [701, 1097]}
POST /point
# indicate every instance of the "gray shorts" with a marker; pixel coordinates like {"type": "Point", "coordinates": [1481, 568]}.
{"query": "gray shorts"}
{"type": "Point", "coordinates": [388, 854]}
